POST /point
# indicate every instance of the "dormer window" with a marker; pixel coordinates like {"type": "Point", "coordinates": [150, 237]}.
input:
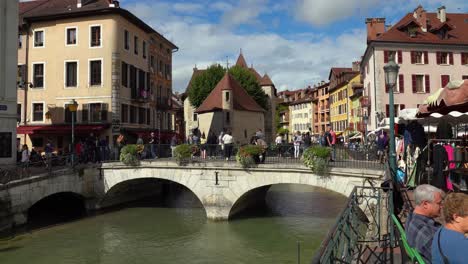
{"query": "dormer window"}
{"type": "Point", "coordinates": [442, 33]}
{"type": "Point", "coordinates": [412, 32]}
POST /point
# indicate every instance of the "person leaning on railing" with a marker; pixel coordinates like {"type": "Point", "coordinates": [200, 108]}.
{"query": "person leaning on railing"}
{"type": "Point", "coordinates": [450, 242]}
{"type": "Point", "coordinates": [420, 225]}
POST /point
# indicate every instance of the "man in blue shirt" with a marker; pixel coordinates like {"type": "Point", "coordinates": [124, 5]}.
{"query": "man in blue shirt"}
{"type": "Point", "coordinates": [450, 242]}
{"type": "Point", "coordinates": [420, 225]}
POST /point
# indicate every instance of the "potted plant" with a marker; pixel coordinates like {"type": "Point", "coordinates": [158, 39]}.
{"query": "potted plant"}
{"type": "Point", "coordinates": [129, 155]}
{"type": "Point", "coordinates": [183, 153]}
{"type": "Point", "coordinates": [316, 158]}
{"type": "Point", "coordinates": [247, 156]}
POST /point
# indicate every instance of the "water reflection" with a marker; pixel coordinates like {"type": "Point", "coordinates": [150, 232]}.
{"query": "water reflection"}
{"type": "Point", "coordinates": [183, 235]}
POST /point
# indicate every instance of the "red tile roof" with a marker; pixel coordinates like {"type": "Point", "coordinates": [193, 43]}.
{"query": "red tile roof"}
{"type": "Point", "coordinates": [457, 35]}
{"type": "Point", "coordinates": [266, 81]}
{"type": "Point", "coordinates": [337, 71]}
{"type": "Point", "coordinates": [241, 61]}
{"type": "Point", "coordinates": [257, 75]}
{"type": "Point", "coordinates": [242, 100]}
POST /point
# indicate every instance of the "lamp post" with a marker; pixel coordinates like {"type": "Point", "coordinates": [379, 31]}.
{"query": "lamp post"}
{"type": "Point", "coordinates": [391, 75]}
{"type": "Point", "coordinates": [73, 106]}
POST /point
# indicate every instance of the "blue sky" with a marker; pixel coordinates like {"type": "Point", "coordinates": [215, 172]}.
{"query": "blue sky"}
{"type": "Point", "coordinates": [295, 42]}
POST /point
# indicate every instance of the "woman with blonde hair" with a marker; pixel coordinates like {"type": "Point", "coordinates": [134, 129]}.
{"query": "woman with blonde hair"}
{"type": "Point", "coordinates": [450, 242]}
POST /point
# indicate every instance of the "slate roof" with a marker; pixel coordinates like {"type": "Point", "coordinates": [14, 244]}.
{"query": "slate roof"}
{"type": "Point", "coordinates": [242, 100]}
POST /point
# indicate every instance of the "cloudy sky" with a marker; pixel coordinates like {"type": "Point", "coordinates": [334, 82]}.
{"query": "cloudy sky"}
{"type": "Point", "coordinates": [294, 41]}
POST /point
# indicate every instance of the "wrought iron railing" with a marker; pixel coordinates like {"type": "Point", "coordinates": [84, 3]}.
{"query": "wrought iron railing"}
{"type": "Point", "coordinates": [363, 232]}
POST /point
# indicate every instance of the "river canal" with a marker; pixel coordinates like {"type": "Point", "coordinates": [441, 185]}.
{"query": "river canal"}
{"type": "Point", "coordinates": [146, 233]}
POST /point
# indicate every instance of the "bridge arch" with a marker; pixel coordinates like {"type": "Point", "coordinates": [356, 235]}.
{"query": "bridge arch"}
{"type": "Point", "coordinates": [134, 189]}
{"type": "Point", "coordinates": [257, 197]}
{"type": "Point", "coordinates": [55, 208]}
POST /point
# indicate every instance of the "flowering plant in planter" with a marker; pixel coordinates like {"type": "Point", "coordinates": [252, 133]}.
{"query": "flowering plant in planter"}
{"type": "Point", "coordinates": [129, 155]}
{"type": "Point", "coordinates": [316, 158]}
{"type": "Point", "coordinates": [183, 153]}
{"type": "Point", "coordinates": [245, 155]}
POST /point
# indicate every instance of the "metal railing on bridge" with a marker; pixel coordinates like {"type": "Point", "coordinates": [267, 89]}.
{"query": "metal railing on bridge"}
{"type": "Point", "coordinates": [39, 166]}
{"type": "Point", "coordinates": [363, 232]}
{"type": "Point", "coordinates": [344, 157]}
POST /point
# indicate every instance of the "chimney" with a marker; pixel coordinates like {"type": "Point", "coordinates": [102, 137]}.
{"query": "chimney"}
{"type": "Point", "coordinates": [375, 27]}
{"type": "Point", "coordinates": [442, 14]}
{"type": "Point", "coordinates": [78, 3]}
{"type": "Point", "coordinates": [421, 17]}
{"type": "Point", "coordinates": [356, 65]}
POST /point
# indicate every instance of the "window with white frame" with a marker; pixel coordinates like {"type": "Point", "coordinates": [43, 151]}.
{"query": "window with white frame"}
{"type": "Point", "coordinates": [444, 58]}
{"type": "Point", "coordinates": [71, 74]}
{"type": "Point", "coordinates": [71, 36]}
{"type": "Point", "coordinates": [418, 57]}
{"type": "Point", "coordinates": [95, 72]}
{"type": "Point", "coordinates": [38, 112]}
{"type": "Point", "coordinates": [420, 84]}
{"type": "Point", "coordinates": [38, 75]}
{"type": "Point", "coordinates": [95, 36]}
{"type": "Point", "coordinates": [39, 38]}
{"type": "Point", "coordinates": [97, 112]}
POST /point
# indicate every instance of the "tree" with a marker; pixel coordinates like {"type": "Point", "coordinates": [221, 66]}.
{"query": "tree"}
{"type": "Point", "coordinates": [203, 84]}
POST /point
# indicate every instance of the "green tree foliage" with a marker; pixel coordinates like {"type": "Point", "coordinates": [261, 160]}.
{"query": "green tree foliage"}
{"type": "Point", "coordinates": [203, 84]}
{"type": "Point", "coordinates": [249, 82]}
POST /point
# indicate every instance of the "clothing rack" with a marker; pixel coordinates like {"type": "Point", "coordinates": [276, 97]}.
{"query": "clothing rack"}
{"type": "Point", "coordinates": [446, 141]}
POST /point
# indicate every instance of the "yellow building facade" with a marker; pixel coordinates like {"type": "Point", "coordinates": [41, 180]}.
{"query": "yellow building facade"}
{"type": "Point", "coordinates": [102, 60]}
{"type": "Point", "coordinates": [341, 105]}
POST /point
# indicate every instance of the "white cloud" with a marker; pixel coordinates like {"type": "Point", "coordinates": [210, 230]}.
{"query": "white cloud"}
{"type": "Point", "coordinates": [292, 61]}
{"type": "Point", "coordinates": [245, 12]}
{"type": "Point", "coordinates": [322, 12]}
{"type": "Point", "coordinates": [187, 7]}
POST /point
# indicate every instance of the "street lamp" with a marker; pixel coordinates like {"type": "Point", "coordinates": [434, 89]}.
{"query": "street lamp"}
{"type": "Point", "coordinates": [391, 75]}
{"type": "Point", "coordinates": [73, 106]}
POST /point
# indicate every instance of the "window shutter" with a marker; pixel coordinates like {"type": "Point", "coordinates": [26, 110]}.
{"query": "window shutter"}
{"type": "Point", "coordinates": [413, 79]}
{"type": "Point", "coordinates": [402, 106]}
{"type": "Point", "coordinates": [387, 110]}
{"type": "Point", "coordinates": [386, 88]}
{"type": "Point", "coordinates": [426, 57]}
{"type": "Point", "coordinates": [444, 80]}
{"type": "Point", "coordinates": [401, 83]}
{"type": "Point", "coordinates": [428, 84]}
{"type": "Point", "coordinates": [438, 57]}
{"type": "Point", "coordinates": [451, 58]}
{"type": "Point", "coordinates": [413, 57]}
{"type": "Point", "coordinates": [385, 56]}
{"type": "Point", "coordinates": [400, 57]}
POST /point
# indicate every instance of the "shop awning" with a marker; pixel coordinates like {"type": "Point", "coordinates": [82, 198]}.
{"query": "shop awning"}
{"type": "Point", "coordinates": [60, 129]}
{"type": "Point", "coordinates": [453, 97]}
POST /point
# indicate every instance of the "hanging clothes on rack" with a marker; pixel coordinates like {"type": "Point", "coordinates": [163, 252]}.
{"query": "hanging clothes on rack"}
{"type": "Point", "coordinates": [411, 164]}
{"type": "Point", "coordinates": [451, 164]}
{"type": "Point", "coordinates": [440, 159]}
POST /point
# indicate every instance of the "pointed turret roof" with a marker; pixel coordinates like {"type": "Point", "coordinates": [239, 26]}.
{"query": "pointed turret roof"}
{"type": "Point", "coordinates": [266, 81]}
{"type": "Point", "coordinates": [242, 100]}
{"type": "Point", "coordinates": [241, 61]}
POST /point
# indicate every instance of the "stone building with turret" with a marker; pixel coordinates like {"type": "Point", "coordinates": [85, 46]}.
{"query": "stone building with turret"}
{"type": "Point", "coordinates": [243, 116]}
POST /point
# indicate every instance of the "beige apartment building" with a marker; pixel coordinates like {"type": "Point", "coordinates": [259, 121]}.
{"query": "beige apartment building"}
{"type": "Point", "coordinates": [98, 54]}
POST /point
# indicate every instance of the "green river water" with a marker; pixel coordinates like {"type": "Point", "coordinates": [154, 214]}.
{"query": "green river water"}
{"type": "Point", "coordinates": [146, 234]}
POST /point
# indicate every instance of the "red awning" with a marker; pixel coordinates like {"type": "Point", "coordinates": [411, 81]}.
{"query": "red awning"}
{"type": "Point", "coordinates": [60, 129]}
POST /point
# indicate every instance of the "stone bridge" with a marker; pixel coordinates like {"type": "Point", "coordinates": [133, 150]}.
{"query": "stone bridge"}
{"type": "Point", "coordinates": [224, 189]}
